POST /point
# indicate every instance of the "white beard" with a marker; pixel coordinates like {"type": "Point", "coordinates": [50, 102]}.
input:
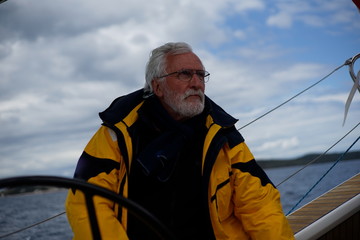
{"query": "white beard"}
{"type": "Point", "coordinates": [181, 106]}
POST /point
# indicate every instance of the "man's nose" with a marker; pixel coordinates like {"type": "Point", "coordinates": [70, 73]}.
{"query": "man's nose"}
{"type": "Point", "coordinates": [196, 81]}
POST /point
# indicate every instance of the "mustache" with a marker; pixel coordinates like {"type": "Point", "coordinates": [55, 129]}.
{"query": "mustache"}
{"type": "Point", "coordinates": [194, 92]}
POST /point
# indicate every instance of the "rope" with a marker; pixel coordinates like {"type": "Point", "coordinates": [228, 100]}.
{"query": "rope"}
{"type": "Point", "coordinates": [338, 160]}
{"type": "Point", "coordinates": [318, 157]}
{"type": "Point", "coordinates": [351, 94]}
{"type": "Point", "coordinates": [290, 99]}
{"type": "Point", "coordinates": [30, 226]}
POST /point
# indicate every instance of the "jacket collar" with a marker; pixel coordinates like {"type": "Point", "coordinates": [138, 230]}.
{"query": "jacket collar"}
{"type": "Point", "coordinates": [219, 115]}
{"type": "Point", "coordinates": [123, 105]}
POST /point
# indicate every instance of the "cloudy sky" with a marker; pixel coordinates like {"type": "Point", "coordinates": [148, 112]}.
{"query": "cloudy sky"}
{"type": "Point", "coordinates": [62, 62]}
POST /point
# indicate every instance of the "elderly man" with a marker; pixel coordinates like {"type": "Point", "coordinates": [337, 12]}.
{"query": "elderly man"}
{"type": "Point", "coordinates": [171, 149]}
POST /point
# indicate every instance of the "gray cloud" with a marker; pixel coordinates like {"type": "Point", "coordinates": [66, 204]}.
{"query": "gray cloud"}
{"type": "Point", "coordinates": [62, 62]}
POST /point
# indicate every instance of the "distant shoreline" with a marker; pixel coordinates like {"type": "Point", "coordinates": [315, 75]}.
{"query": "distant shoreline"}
{"type": "Point", "coordinates": [28, 190]}
{"type": "Point", "coordinates": [275, 163]}
{"type": "Point", "coordinates": [266, 164]}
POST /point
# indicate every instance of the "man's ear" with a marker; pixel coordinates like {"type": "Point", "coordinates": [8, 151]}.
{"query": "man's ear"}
{"type": "Point", "coordinates": [157, 88]}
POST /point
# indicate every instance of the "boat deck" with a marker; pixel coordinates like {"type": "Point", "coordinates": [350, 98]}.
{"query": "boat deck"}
{"type": "Point", "coordinates": [328, 203]}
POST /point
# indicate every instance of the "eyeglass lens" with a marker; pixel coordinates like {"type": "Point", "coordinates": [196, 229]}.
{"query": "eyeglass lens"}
{"type": "Point", "coordinates": [186, 75]}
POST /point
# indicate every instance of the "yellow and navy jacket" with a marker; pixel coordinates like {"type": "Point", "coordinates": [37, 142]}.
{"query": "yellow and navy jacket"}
{"type": "Point", "coordinates": [241, 200]}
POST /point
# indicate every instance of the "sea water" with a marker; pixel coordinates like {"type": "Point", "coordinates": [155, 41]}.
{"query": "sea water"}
{"type": "Point", "coordinates": [319, 177]}
{"type": "Point", "coordinates": [19, 211]}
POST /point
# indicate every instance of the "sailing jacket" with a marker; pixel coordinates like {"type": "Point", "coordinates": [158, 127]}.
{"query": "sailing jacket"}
{"type": "Point", "coordinates": [242, 202]}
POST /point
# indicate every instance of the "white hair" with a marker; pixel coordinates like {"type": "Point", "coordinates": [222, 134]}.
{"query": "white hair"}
{"type": "Point", "coordinates": [156, 65]}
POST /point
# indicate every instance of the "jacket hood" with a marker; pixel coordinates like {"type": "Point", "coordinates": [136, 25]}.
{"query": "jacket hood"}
{"type": "Point", "coordinates": [121, 107]}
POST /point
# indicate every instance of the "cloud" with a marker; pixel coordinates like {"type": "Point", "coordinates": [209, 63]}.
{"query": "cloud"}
{"type": "Point", "coordinates": [244, 5]}
{"type": "Point", "coordinates": [282, 20]}
{"type": "Point", "coordinates": [62, 62]}
{"type": "Point", "coordinates": [286, 13]}
{"type": "Point", "coordinates": [281, 144]}
{"type": "Point", "coordinates": [298, 72]}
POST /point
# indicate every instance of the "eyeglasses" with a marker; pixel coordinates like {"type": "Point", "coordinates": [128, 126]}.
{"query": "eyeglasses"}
{"type": "Point", "coordinates": [187, 74]}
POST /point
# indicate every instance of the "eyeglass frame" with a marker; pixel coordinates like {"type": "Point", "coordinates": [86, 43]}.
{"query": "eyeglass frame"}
{"type": "Point", "coordinates": [204, 79]}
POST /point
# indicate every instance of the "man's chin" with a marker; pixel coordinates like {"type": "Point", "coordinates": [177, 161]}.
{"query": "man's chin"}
{"type": "Point", "coordinates": [194, 98]}
{"type": "Point", "coordinates": [196, 108]}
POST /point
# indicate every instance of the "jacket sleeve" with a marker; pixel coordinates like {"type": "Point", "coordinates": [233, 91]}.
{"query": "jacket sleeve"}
{"type": "Point", "coordinates": [99, 164]}
{"type": "Point", "coordinates": [256, 201]}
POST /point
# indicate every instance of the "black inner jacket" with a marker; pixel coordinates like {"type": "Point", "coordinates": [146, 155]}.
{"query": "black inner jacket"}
{"type": "Point", "coordinates": [165, 175]}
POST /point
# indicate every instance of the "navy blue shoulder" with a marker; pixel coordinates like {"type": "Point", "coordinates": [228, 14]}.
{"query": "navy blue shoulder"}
{"type": "Point", "coordinates": [233, 136]}
{"type": "Point", "coordinates": [255, 170]}
{"type": "Point", "coordinates": [89, 166]}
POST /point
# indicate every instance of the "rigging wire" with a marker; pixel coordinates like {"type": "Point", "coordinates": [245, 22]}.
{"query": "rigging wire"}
{"type": "Point", "coordinates": [298, 94]}
{"type": "Point", "coordinates": [32, 225]}
{"type": "Point", "coordinates": [338, 160]}
{"type": "Point", "coordinates": [350, 63]}
{"type": "Point", "coordinates": [318, 157]}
